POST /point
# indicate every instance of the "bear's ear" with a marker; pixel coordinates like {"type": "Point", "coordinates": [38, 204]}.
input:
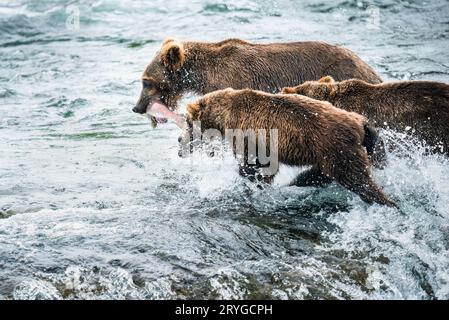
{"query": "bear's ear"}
{"type": "Point", "coordinates": [167, 40]}
{"type": "Point", "coordinates": [193, 109]}
{"type": "Point", "coordinates": [172, 54]}
{"type": "Point", "coordinates": [288, 90]}
{"type": "Point", "coordinates": [327, 79]}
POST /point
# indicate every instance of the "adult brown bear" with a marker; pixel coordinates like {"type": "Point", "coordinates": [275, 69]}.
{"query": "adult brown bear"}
{"type": "Point", "coordinates": [308, 132]}
{"type": "Point", "coordinates": [417, 107]}
{"type": "Point", "coordinates": [202, 67]}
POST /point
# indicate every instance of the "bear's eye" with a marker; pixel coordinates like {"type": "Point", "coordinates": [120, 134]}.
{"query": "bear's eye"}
{"type": "Point", "coordinates": [146, 84]}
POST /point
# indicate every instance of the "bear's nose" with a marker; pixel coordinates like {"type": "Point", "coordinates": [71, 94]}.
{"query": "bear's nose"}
{"type": "Point", "coordinates": [135, 109]}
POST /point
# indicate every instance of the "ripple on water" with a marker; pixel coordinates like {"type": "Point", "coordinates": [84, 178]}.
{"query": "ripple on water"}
{"type": "Point", "coordinates": [7, 93]}
{"type": "Point", "coordinates": [63, 101]}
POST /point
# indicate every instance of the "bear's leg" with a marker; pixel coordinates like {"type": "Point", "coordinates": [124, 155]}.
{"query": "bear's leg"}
{"type": "Point", "coordinates": [370, 192]}
{"type": "Point", "coordinates": [250, 166]}
{"type": "Point", "coordinates": [252, 173]}
{"type": "Point", "coordinates": [355, 176]}
{"type": "Point", "coordinates": [248, 172]}
{"type": "Point", "coordinates": [375, 147]}
{"type": "Point", "coordinates": [313, 177]}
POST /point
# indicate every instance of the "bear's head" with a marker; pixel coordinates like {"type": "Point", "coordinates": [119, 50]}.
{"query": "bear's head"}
{"type": "Point", "coordinates": [208, 112]}
{"type": "Point", "coordinates": [162, 83]}
{"type": "Point", "coordinates": [319, 90]}
{"type": "Point", "coordinates": [211, 109]}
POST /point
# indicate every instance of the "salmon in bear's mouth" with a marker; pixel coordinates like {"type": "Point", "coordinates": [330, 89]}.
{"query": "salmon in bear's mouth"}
{"type": "Point", "coordinates": [161, 113]}
{"type": "Point", "coordinates": [158, 111]}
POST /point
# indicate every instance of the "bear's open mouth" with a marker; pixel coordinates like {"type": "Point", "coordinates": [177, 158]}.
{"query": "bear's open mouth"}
{"type": "Point", "coordinates": [161, 113]}
{"type": "Point", "coordinates": [158, 111]}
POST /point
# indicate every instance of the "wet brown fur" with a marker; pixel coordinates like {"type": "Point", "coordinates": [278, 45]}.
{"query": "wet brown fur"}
{"type": "Point", "coordinates": [310, 132]}
{"type": "Point", "coordinates": [421, 105]}
{"type": "Point", "coordinates": [203, 67]}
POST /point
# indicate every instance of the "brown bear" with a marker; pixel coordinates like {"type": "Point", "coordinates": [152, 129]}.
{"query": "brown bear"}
{"type": "Point", "coordinates": [309, 133]}
{"type": "Point", "coordinates": [203, 67]}
{"type": "Point", "coordinates": [419, 107]}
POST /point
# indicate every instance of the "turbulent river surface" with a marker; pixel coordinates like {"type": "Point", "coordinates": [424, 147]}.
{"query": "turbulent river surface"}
{"type": "Point", "coordinates": [96, 204]}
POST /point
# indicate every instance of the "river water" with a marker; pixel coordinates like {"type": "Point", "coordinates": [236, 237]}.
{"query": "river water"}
{"type": "Point", "coordinates": [96, 204]}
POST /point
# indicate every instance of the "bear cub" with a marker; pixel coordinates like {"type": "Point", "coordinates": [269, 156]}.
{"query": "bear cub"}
{"type": "Point", "coordinates": [336, 143]}
{"type": "Point", "coordinates": [419, 107]}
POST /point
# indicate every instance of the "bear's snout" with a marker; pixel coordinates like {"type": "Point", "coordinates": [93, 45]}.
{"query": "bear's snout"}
{"type": "Point", "coordinates": [140, 108]}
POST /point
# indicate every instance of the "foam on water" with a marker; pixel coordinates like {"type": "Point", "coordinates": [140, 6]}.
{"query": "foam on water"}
{"type": "Point", "coordinates": [95, 204]}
